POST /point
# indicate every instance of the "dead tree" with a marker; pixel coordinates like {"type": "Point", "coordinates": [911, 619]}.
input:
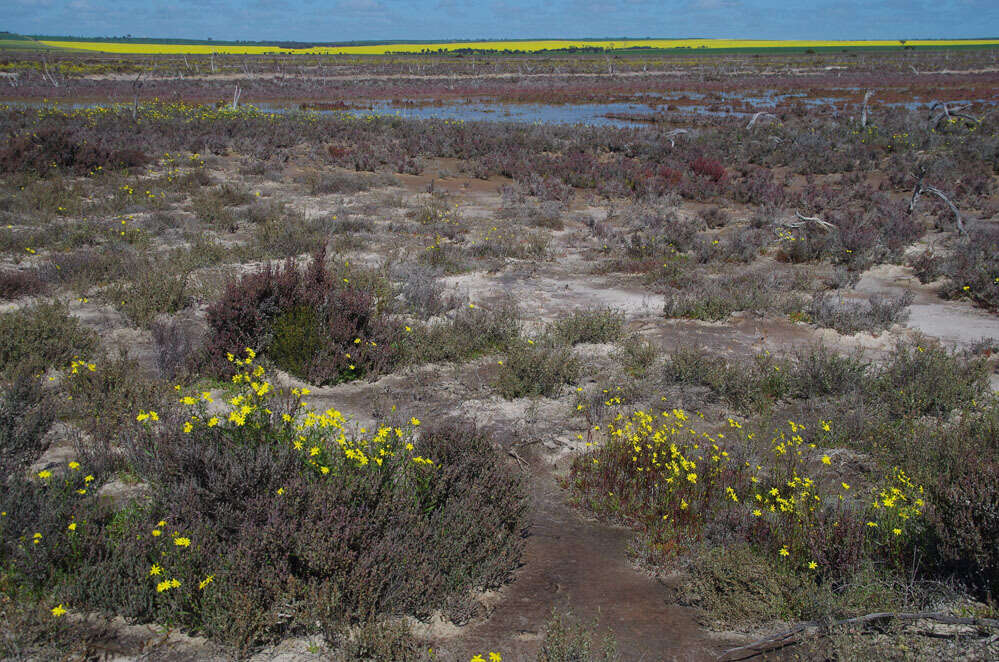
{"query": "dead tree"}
{"type": "Point", "coordinates": [235, 98]}
{"type": "Point", "coordinates": [672, 135]}
{"type": "Point", "coordinates": [48, 74]}
{"type": "Point", "coordinates": [758, 116]}
{"type": "Point", "coordinates": [921, 188]}
{"type": "Point", "coordinates": [136, 84]}
{"type": "Point", "coordinates": [863, 113]}
{"type": "Point", "coordinates": [949, 112]}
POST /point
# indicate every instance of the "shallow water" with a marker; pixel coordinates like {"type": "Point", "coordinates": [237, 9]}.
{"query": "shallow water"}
{"type": "Point", "coordinates": [645, 109]}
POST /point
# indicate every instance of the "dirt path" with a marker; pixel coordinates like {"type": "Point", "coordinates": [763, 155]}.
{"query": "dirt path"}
{"type": "Point", "coordinates": [582, 566]}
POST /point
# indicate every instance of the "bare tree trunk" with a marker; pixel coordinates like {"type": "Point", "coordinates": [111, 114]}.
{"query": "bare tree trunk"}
{"type": "Point", "coordinates": [235, 98]}
{"type": "Point", "coordinates": [863, 113]}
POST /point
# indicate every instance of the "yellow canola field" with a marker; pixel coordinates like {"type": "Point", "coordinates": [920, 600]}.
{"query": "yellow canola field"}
{"type": "Point", "coordinates": [381, 49]}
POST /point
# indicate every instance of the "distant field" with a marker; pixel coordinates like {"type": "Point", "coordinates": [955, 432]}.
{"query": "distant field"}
{"type": "Point", "coordinates": [523, 46]}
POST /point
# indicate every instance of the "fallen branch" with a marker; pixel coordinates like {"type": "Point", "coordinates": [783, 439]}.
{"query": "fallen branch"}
{"type": "Point", "coordinates": [803, 631]}
{"type": "Point", "coordinates": [802, 220]}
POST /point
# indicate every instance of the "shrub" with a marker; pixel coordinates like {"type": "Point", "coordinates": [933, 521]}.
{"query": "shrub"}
{"type": "Point", "coordinates": [715, 298]}
{"type": "Point", "coordinates": [40, 337]}
{"type": "Point", "coordinates": [709, 168]}
{"type": "Point", "coordinates": [351, 529]}
{"type": "Point", "coordinates": [539, 369]}
{"type": "Point", "coordinates": [595, 325]}
{"type": "Point", "coordinates": [637, 355]}
{"type": "Point", "coordinates": [20, 283]}
{"type": "Point", "coordinates": [878, 313]}
{"type": "Point", "coordinates": [25, 416]}
{"type": "Point", "coordinates": [48, 148]}
{"type": "Point", "coordinates": [972, 270]}
{"type": "Point", "coordinates": [154, 287]}
{"type": "Point", "coordinates": [568, 641]}
{"type": "Point", "coordinates": [471, 332]}
{"type": "Point", "coordinates": [313, 324]}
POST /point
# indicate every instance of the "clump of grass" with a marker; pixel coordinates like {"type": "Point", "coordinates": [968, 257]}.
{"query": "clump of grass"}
{"type": "Point", "coordinates": [42, 336]}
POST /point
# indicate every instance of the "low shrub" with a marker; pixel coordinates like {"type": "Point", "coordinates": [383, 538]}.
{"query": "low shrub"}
{"type": "Point", "coordinates": [26, 413]}
{"type": "Point", "coordinates": [351, 529]}
{"type": "Point", "coordinates": [40, 337]}
{"type": "Point", "coordinates": [154, 287]}
{"type": "Point", "coordinates": [593, 325]}
{"type": "Point", "coordinates": [317, 326]}
{"type": "Point", "coordinates": [46, 149]}
{"type": "Point", "coordinates": [468, 334]}
{"type": "Point", "coordinates": [15, 284]}
{"type": "Point", "coordinates": [877, 314]}
{"type": "Point", "coordinates": [566, 640]}
{"type": "Point", "coordinates": [542, 368]}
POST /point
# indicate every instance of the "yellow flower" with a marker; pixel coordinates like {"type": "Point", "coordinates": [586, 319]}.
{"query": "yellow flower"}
{"type": "Point", "coordinates": [155, 570]}
{"type": "Point", "coordinates": [182, 542]}
{"type": "Point", "coordinates": [845, 486]}
{"type": "Point", "coordinates": [45, 473]}
{"type": "Point", "coordinates": [163, 586]}
{"type": "Point", "coordinates": [58, 610]}
{"type": "Point", "coordinates": [826, 459]}
{"type": "Point", "coordinates": [74, 465]}
{"type": "Point", "coordinates": [812, 565]}
{"type": "Point", "coordinates": [188, 426]}
{"type": "Point", "coordinates": [495, 657]}
{"type": "Point", "coordinates": [414, 421]}
{"type": "Point", "coordinates": [784, 552]}
{"type": "Point", "coordinates": [205, 582]}
{"type": "Point", "coordinates": [897, 532]}
{"type": "Point", "coordinates": [72, 526]}
{"type": "Point", "coordinates": [477, 658]}
{"type": "Point", "coordinates": [156, 533]}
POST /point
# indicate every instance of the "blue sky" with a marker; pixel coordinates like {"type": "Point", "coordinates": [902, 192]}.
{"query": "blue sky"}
{"type": "Point", "coordinates": [341, 20]}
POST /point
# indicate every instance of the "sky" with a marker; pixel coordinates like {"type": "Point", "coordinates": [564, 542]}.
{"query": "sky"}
{"type": "Point", "coordinates": [346, 20]}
